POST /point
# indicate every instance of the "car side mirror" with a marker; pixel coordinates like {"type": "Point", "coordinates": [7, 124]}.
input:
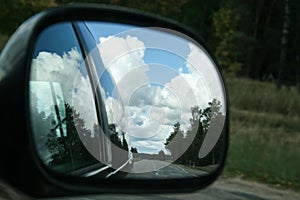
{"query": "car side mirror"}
{"type": "Point", "coordinates": [113, 100]}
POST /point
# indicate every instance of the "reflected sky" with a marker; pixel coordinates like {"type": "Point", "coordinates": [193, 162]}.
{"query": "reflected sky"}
{"type": "Point", "coordinates": [49, 41]}
{"type": "Point", "coordinates": [151, 80]}
{"type": "Point", "coordinates": [157, 77]}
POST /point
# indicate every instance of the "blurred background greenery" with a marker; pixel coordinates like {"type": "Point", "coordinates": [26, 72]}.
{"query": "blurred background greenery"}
{"type": "Point", "coordinates": [257, 46]}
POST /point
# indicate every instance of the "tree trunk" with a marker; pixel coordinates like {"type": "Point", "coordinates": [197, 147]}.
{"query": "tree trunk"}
{"type": "Point", "coordinates": [284, 41]}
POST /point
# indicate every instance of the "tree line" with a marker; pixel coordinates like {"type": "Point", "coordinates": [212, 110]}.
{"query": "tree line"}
{"type": "Point", "coordinates": [61, 139]}
{"type": "Point", "coordinates": [194, 136]}
{"type": "Point", "coordinates": [256, 39]}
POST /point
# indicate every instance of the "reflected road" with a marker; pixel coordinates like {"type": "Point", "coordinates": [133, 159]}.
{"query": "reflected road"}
{"type": "Point", "coordinates": [161, 169]}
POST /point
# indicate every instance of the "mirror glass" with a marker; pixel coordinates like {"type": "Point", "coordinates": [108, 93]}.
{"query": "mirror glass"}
{"type": "Point", "coordinates": [110, 100]}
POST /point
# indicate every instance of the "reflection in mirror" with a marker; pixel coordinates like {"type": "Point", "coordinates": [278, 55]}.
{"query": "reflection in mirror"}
{"type": "Point", "coordinates": [115, 100]}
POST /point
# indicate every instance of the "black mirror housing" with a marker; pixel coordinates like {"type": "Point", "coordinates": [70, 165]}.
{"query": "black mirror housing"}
{"type": "Point", "coordinates": [21, 165]}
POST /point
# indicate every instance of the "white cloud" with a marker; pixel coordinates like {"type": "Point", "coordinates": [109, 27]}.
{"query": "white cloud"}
{"type": "Point", "coordinates": [47, 63]}
{"type": "Point", "coordinates": [148, 112]}
{"type": "Point", "coordinates": [121, 55]}
{"type": "Point", "coordinates": [201, 65]}
{"type": "Point", "coordinates": [52, 67]}
{"type": "Point", "coordinates": [83, 101]}
{"type": "Point", "coordinates": [149, 146]}
{"type": "Point", "coordinates": [115, 111]}
{"type": "Point", "coordinates": [65, 71]}
{"type": "Point", "coordinates": [198, 86]}
{"type": "Point", "coordinates": [124, 60]}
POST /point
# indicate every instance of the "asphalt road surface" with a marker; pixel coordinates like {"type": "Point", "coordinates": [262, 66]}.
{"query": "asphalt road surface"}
{"type": "Point", "coordinates": [160, 169]}
{"type": "Point", "coordinates": [222, 189]}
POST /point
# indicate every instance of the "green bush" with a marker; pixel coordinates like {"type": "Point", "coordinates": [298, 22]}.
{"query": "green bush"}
{"type": "Point", "coordinates": [264, 133]}
{"type": "Point", "coordinates": [246, 94]}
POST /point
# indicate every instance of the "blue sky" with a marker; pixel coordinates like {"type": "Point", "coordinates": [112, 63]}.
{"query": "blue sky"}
{"type": "Point", "coordinates": [59, 39]}
{"type": "Point", "coordinates": [147, 63]}
{"type": "Point", "coordinates": [151, 39]}
{"type": "Point", "coordinates": [159, 76]}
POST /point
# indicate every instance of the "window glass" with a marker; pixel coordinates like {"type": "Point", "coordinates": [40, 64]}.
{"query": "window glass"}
{"type": "Point", "coordinates": [62, 104]}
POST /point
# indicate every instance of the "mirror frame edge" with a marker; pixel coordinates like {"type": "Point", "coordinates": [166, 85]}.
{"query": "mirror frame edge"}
{"type": "Point", "coordinates": [64, 185]}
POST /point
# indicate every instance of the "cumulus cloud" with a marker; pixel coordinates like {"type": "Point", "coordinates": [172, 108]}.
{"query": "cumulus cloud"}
{"type": "Point", "coordinates": [200, 64]}
{"type": "Point", "coordinates": [143, 110]}
{"type": "Point", "coordinates": [123, 59]}
{"type": "Point", "coordinates": [64, 72]}
{"type": "Point", "coordinates": [115, 111]}
{"type": "Point", "coordinates": [51, 67]}
{"type": "Point", "coordinates": [147, 111]}
{"type": "Point", "coordinates": [83, 101]}
{"type": "Point", "coordinates": [148, 146]}
{"type": "Point", "coordinates": [47, 63]}
{"type": "Point", "coordinates": [193, 84]}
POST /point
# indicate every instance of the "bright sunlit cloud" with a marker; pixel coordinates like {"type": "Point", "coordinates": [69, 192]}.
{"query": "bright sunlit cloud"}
{"type": "Point", "coordinates": [48, 68]}
{"type": "Point", "coordinates": [147, 111]}
{"type": "Point", "coordinates": [51, 67]}
{"type": "Point", "coordinates": [148, 99]}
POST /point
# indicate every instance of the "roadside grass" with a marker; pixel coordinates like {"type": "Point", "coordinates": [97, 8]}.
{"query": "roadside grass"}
{"type": "Point", "coordinates": [246, 94]}
{"type": "Point", "coordinates": [264, 133]}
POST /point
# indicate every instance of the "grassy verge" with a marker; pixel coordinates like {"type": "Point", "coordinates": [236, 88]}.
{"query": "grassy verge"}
{"type": "Point", "coordinates": [246, 94]}
{"type": "Point", "coordinates": [264, 133]}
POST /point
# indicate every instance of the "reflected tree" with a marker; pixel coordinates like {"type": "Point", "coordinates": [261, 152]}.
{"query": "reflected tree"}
{"type": "Point", "coordinates": [124, 142]}
{"type": "Point", "coordinates": [133, 150]}
{"type": "Point", "coordinates": [194, 137]}
{"type": "Point", "coordinates": [40, 123]}
{"type": "Point", "coordinates": [174, 141]}
{"type": "Point", "coordinates": [68, 151]}
{"type": "Point", "coordinates": [161, 155]}
{"type": "Point", "coordinates": [58, 142]}
{"type": "Point", "coordinates": [119, 157]}
{"type": "Point", "coordinates": [61, 141]}
{"type": "Point", "coordinates": [115, 139]}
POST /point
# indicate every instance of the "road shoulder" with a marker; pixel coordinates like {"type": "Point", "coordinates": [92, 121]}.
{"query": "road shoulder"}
{"type": "Point", "coordinates": [263, 191]}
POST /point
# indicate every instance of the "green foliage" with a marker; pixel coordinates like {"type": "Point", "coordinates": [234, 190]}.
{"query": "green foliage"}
{"type": "Point", "coordinates": [234, 51]}
{"type": "Point", "coordinates": [246, 94]}
{"type": "Point", "coordinates": [168, 8]}
{"type": "Point", "coordinates": [264, 153]}
{"type": "Point", "coordinates": [264, 133]}
{"type": "Point", "coordinates": [245, 35]}
{"type": "Point", "coordinates": [236, 46]}
{"type": "Point", "coordinates": [14, 12]}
